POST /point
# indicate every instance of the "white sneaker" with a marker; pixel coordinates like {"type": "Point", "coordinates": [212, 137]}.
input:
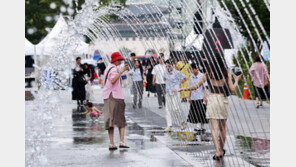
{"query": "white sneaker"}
{"type": "Point", "coordinates": [90, 120]}
{"type": "Point", "coordinates": [96, 120]}
{"type": "Point", "coordinates": [168, 129]}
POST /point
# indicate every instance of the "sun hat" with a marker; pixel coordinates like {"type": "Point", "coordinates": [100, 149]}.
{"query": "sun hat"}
{"type": "Point", "coordinates": [116, 56]}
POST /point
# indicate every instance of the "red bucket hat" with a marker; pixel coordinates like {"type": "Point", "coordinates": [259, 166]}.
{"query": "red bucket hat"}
{"type": "Point", "coordinates": [116, 56]}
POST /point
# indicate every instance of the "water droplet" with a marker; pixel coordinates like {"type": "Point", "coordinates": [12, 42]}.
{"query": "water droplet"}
{"type": "Point", "coordinates": [52, 5]}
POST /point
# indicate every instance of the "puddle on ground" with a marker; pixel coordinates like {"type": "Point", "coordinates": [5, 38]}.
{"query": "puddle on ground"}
{"type": "Point", "coordinates": [85, 132]}
{"type": "Point", "coordinates": [254, 150]}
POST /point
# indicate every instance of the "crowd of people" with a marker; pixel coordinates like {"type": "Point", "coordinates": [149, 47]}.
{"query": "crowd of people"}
{"type": "Point", "coordinates": [173, 82]}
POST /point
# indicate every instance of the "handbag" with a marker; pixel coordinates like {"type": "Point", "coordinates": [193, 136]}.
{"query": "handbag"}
{"type": "Point", "coordinates": [83, 81]}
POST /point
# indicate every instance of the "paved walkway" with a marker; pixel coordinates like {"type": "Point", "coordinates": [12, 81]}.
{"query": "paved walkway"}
{"type": "Point", "coordinates": [74, 141]}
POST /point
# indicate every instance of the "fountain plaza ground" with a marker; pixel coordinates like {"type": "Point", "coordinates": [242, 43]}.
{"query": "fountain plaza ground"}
{"type": "Point", "coordinates": [74, 141]}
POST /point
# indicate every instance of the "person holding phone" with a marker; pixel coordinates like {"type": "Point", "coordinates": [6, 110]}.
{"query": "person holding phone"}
{"type": "Point", "coordinates": [114, 105]}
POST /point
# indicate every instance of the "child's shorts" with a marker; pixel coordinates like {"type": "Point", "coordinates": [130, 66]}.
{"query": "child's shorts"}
{"type": "Point", "coordinates": [94, 114]}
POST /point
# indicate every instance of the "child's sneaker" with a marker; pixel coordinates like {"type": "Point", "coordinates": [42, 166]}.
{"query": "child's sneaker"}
{"type": "Point", "coordinates": [90, 120]}
{"type": "Point", "coordinates": [96, 120]}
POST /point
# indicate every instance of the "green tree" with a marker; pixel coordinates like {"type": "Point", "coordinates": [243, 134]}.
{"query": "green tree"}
{"type": "Point", "coordinates": [261, 12]}
{"type": "Point", "coordinates": [37, 11]}
{"type": "Point", "coordinates": [245, 62]}
{"type": "Point", "coordinates": [264, 15]}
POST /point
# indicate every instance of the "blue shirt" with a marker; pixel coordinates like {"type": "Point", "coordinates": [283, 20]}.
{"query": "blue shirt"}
{"type": "Point", "coordinates": [136, 75]}
{"type": "Point", "coordinates": [197, 94]}
{"type": "Point", "coordinates": [173, 80]}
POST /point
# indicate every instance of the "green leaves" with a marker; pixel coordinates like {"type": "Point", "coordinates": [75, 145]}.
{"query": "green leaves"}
{"type": "Point", "coordinates": [38, 10]}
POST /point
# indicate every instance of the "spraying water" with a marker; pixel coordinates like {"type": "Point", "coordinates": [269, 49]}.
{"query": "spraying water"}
{"type": "Point", "coordinates": [175, 25]}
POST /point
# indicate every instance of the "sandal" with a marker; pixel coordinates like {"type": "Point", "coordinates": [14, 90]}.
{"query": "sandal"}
{"type": "Point", "coordinates": [217, 158]}
{"type": "Point", "coordinates": [122, 145]}
{"type": "Point", "coordinates": [112, 147]}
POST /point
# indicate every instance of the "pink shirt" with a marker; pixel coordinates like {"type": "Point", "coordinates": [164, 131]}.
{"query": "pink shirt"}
{"type": "Point", "coordinates": [109, 88]}
{"type": "Point", "coordinates": [258, 71]}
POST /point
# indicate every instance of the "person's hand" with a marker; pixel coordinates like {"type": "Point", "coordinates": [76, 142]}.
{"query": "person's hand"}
{"type": "Point", "coordinates": [153, 83]}
{"type": "Point", "coordinates": [176, 90]}
{"type": "Point", "coordinates": [237, 78]}
{"type": "Point", "coordinates": [266, 83]}
{"type": "Point", "coordinates": [124, 68]}
{"type": "Point", "coordinates": [189, 101]}
{"type": "Point", "coordinates": [206, 100]}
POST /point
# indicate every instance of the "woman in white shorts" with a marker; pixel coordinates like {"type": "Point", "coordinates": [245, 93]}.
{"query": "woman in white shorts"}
{"type": "Point", "coordinates": [220, 84]}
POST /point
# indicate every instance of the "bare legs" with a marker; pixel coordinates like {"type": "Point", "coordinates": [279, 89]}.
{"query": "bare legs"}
{"type": "Point", "coordinates": [111, 135]}
{"type": "Point", "coordinates": [257, 100]}
{"type": "Point", "coordinates": [121, 134]}
{"type": "Point", "coordinates": [92, 117]}
{"type": "Point", "coordinates": [222, 127]}
{"type": "Point", "coordinates": [218, 128]}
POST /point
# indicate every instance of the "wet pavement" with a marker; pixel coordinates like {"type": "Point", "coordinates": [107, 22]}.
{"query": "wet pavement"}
{"type": "Point", "coordinates": [77, 142]}
{"type": "Point", "coordinates": [74, 141]}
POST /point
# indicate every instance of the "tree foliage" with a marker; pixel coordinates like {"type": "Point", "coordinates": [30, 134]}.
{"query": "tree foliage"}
{"type": "Point", "coordinates": [261, 11]}
{"type": "Point", "coordinates": [264, 16]}
{"type": "Point", "coordinates": [37, 11]}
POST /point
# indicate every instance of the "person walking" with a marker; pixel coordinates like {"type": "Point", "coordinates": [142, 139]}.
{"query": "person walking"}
{"type": "Point", "coordinates": [184, 68]}
{"type": "Point", "coordinates": [150, 88]}
{"type": "Point", "coordinates": [197, 100]}
{"type": "Point", "coordinates": [172, 79]}
{"type": "Point", "coordinates": [114, 105]}
{"type": "Point", "coordinates": [258, 71]}
{"type": "Point", "coordinates": [78, 83]}
{"type": "Point", "coordinates": [131, 64]}
{"type": "Point", "coordinates": [220, 83]}
{"type": "Point", "coordinates": [137, 78]}
{"type": "Point", "coordinates": [158, 81]}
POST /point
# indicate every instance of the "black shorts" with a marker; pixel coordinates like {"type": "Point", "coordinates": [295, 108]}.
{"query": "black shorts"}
{"type": "Point", "coordinates": [197, 112]}
{"type": "Point", "coordinates": [261, 93]}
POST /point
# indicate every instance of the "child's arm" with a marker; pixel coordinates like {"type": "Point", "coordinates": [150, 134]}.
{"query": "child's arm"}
{"type": "Point", "coordinates": [86, 112]}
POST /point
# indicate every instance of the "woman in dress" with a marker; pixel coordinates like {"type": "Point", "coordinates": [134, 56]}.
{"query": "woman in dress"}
{"type": "Point", "coordinates": [114, 105]}
{"type": "Point", "coordinates": [220, 84]}
{"type": "Point", "coordinates": [149, 77]}
{"type": "Point", "coordinates": [78, 83]}
{"type": "Point", "coordinates": [258, 71]}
